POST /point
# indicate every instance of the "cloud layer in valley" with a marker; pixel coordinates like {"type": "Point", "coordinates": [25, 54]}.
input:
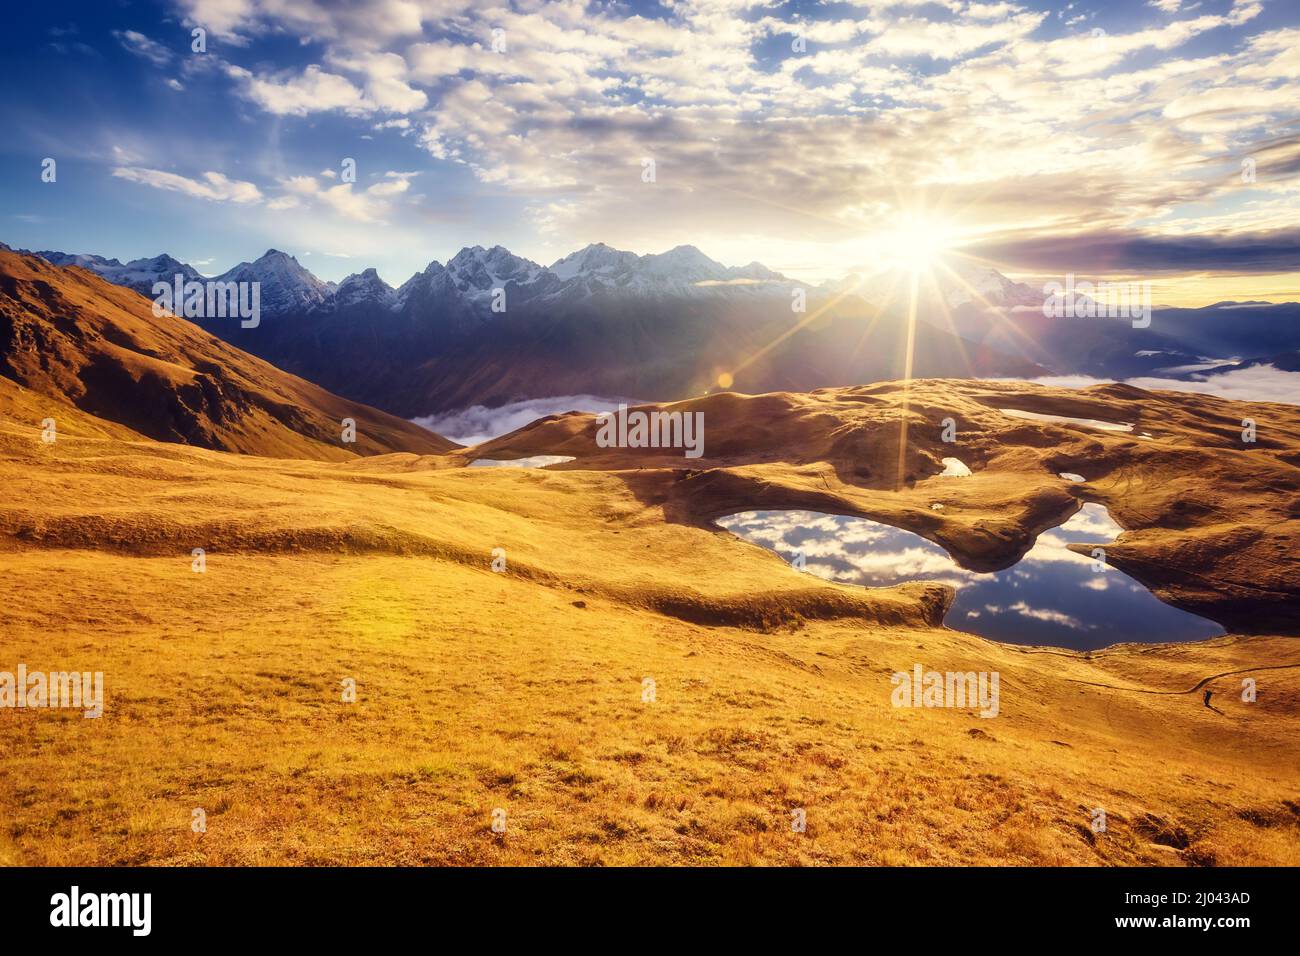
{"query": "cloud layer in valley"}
{"type": "Point", "coordinates": [1255, 383]}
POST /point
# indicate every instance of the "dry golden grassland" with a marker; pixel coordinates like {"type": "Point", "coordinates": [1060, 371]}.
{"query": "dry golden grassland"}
{"type": "Point", "coordinates": [523, 690]}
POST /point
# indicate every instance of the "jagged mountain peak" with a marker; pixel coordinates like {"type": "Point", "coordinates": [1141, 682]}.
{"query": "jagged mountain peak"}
{"type": "Point", "coordinates": [756, 270]}
{"type": "Point", "coordinates": [366, 277]}
{"type": "Point", "coordinates": [138, 274]}
{"type": "Point", "coordinates": [468, 280]}
{"type": "Point", "coordinates": [957, 282]}
{"type": "Point", "coordinates": [285, 284]}
{"type": "Point", "coordinates": [685, 253]}
{"type": "Point", "coordinates": [495, 256]}
{"type": "Point", "coordinates": [685, 258]}
{"type": "Point", "coordinates": [275, 261]}
{"type": "Point", "coordinates": [478, 271]}
{"type": "Point", "coordinates": [964, 282]}
{"type": "Point", "coordinates": [594, 259]}
{"type": "Point", "coordinates": [364, 286]}
{"type": "Point", "coordinates": [162, 259]}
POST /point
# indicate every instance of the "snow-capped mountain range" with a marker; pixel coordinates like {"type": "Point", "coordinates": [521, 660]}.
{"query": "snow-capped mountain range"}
{"type": "Point", "coordinates": [467, 283]}
{"type": "Point", "coordinates": [959, 283]}
{"type": "Point", "coordinates": [138, 274]}
{"type": "Point", "coordinates": [599, 321]}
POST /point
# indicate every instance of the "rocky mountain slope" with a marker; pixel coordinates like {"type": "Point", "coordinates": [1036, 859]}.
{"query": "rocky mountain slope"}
{"type": "Point", "coordinates": [70, 336]}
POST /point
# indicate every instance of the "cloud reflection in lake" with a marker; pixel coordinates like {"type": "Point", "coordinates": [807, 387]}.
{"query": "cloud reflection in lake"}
{"type": "Point", "coordinates": [1051, 596]}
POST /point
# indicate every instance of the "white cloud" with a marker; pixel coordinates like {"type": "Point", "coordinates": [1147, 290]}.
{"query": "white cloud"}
{"type": "Point", "coordinates": [362, 21]}
{"type": "Point", "coordinates": [311, 91]}
{"type": "Point", "coordinates": [393, 184]}
{"type": "Point", "coordinates": [1019, 131]}
{"type": "Point", "coordinates": [477, 424]}
{"type": "Point", "coordinates": [220, 16]}
{"type": "Point", "coordinates": [143, 47]}
{"type": "Point", "coordinates": [212, 186]}
{"type": "Point", "coordinates": [385, 79]}
{"type": "Point", "coordinates": [1050, 616]}
{"type": "Point", "coordinates": [370, 205]}
{"type": "Point", "coordinates": [381, 87]}
{"type": "Point", "coordinates": [1258, 383]}
{"type": "Point", "coordinates": [302, 185]}
{"type": "Point", "coordinates": [431, 61]}
{"type": "Point", "coordinates": [353, 205]}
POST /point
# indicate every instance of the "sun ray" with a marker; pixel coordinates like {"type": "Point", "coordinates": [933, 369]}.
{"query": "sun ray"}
{"type": "Point", "coordinates": [938, 298]}
{"type": "Point", "coordinates": [1001, 320]}
{"type": "Point", "coordinates": [810, 317]}
{"type": "Point", "coordinates": [907, 380]}
{"type": "Point", "coordinates": [881, 309]}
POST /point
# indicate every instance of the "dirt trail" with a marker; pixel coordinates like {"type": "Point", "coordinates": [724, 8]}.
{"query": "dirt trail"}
{"type": "Point", "coordinates": [1191, 690]}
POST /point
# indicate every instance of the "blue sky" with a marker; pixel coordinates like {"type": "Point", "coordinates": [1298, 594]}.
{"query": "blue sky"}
{"type": "Point", "coordinates": [1092, 138]}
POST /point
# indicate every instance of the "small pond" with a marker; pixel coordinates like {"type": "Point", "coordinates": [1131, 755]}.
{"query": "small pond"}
{"type": "Point", "coordinates": [1050, 596]}
{"type": "Point", "coordinates": [537, 461]}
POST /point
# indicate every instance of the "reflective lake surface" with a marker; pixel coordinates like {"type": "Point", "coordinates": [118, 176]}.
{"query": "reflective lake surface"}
{"type": "Point", "coordinates": [537, 461]}
{"type": "Point", "coordinates": [1051, 596]}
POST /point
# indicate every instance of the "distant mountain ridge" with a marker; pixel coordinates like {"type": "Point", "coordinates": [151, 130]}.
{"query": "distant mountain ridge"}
{"type": "Point", "coordinates": [467, 282]}
{"type": "Point", "coordinates": [489, 327]}
{"type": "Point", "coordinates": [954, 285]}
{"type": "Point", "coordinates": [475, 278]}
{"type": "Point", "coordinates": [138, 274]}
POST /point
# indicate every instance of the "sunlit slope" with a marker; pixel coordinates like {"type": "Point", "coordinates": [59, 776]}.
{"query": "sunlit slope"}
{"type": "Point", "coordinates": [525, 690]}
{"type": "Point", "coordinates": [1212, 521]}
{"type": "Point", "coordinates": [71, 337]}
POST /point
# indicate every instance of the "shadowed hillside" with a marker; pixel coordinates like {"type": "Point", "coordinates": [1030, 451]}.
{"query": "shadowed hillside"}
{"type": "Point", "coordinates": [66, 333]}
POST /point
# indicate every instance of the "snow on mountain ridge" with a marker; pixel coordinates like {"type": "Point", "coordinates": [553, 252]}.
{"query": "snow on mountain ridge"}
{"type": "Point", "coordinates": [682, 271]}
{"type": "Point", "coordinates": [957, 284]}
{"type": "Point", "coordinates": [285, 284]}
{"type": "Point", "coordinates": [477, 272]}
{"type": "Point", "coordinates": [364, 287]}
{"type": "Point", "coordinates": [472, 275]}
{"type": "Point", "coordinates": [138, 274]}
{"type": "Point", "coordinates": [595, 259]}
{"type": "Point", "coordinates": [984, 284]}
{"type": "Point", "coordinates": [469, 280]}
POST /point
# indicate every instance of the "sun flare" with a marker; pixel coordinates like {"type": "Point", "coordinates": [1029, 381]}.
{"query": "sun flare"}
{"type": "Point", "coordinates": [918, 243]}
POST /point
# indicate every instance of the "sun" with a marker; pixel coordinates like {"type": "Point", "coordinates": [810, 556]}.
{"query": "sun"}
{"type": "Point", "coordinates": [917, 243]}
